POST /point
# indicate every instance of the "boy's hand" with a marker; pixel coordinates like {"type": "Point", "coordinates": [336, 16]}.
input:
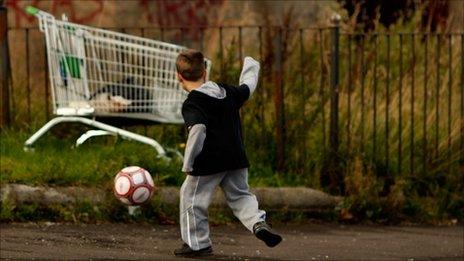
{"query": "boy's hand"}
{"type": "Point", "coordinates": [251, 60]}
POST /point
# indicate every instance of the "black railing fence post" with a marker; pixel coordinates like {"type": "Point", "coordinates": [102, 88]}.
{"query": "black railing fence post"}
{"type": "Point", "coordinates": [28, 79]}
{"type": "Point", "coordinates": [322, 94]}
{"type": "Point", "coordinates": [461, 146]}
{"type": "Point", "coordinates": [279, 103]}
{"type": "Point", "coordinates": [4, 69]}
{"type": "Point", "coordinates": [336, 184]}
{"type": "Point", "coordinates": [221, 54]}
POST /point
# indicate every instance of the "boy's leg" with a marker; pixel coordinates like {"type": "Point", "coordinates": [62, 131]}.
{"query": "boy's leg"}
{"type": "Point", "coordinates": [195, 196]}
{"type": "Point", "coordinates": [245, 206]}
{"type": "Point", "coordinates": [242, 202]}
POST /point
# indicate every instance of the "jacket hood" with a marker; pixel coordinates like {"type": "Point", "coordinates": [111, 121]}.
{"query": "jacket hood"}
{"type": "Point", "coordinates": [212, 89]}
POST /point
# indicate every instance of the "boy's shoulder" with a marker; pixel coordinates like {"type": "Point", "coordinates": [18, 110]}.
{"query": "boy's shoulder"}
{"type": "Point", "coordinates": [193, 112]}
{"type": "Point", "coordinates": [241, 91]}
{"type": "Point", "coordinates": [194, 98]}
{"type": "Point", "coordinates": [195, 101]}
{"type": "Point", "coordinates": [189, 102]}
{"type": "Point", "coordinates": [227, 87]}
{"type": "Point", "coordinates": [237, 94]}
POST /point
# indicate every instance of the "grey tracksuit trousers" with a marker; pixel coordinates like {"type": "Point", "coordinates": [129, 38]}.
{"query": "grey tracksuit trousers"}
{"type": "Point", "coordinates": [196, 195]}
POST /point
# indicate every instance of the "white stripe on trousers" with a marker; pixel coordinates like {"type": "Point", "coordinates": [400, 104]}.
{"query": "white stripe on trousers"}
{"type": "Point", "coordinates": [188, 231]}
{"type": "Point", "coordinates": [193, 211]}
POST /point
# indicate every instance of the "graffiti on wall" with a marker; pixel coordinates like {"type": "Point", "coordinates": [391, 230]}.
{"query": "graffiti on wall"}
{"type": "Point", "coordinates": [181, 13]}
{"type": "Point", "coordinates": [95, 8]}
{"type": "Point", "coordinates": [161, 13]}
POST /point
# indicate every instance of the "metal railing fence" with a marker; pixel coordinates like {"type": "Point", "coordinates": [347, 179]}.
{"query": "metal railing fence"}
{"type": "Point", "coordinates": [329, 102]}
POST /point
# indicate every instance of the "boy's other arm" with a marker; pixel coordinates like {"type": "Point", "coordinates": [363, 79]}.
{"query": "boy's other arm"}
{"type": "Point", "coordinates": [249, 74]}
{"type": "Point", "coordinates": [195, 141]}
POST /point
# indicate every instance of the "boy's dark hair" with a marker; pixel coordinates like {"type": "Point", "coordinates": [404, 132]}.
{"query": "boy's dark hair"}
{"type": "Point", "coordinates": [190, 64]}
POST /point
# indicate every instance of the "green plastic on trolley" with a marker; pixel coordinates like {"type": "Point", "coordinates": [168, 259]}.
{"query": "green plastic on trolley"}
{"type": "Point", "coordinates": [72, 65]}
{"type": "Point", "coordinates": [32, 10]}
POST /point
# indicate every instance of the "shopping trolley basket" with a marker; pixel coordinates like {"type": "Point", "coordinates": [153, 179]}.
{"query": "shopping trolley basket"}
{"type": "Point", "coordinates": [99, 73]}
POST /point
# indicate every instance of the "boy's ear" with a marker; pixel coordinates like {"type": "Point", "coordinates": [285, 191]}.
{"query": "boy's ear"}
{"type": "Point", "coordinates": [204, 75]}
{"type": "Point", "coordinates": [179, 77]}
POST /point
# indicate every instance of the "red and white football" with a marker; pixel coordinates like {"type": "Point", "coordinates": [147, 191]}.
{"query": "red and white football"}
{"type": "Point", "coordinates": [133, 186]}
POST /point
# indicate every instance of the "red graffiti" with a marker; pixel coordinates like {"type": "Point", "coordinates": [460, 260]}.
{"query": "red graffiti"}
{"type": "Point", "coordinates": [185, 12]}
{"type": "Point", "coordinates": [73, 17]}
{"type": "Point", "coordinates": [19, 11]}
{"type": "Point", "coordinates": [182, 13]}
{"type": "Point", "coordinates": [176, 13]}
{"type": "Point", "coordinates": [18, 7]}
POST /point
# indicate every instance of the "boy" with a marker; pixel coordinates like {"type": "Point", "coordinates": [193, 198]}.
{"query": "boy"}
{"type": "Point", "coordinates": [215, 155]}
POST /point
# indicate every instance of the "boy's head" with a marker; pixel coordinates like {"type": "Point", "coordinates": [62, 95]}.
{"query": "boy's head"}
{"type": "Point", "coordinates": [190, 66]}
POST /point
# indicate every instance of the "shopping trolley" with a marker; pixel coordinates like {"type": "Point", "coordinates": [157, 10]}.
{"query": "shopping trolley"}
{"type": "Point", "coordinates": [96, 73]}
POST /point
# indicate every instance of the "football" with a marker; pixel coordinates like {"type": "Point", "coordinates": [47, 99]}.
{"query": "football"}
{"type": "Point", "coordinates": [133, 186]}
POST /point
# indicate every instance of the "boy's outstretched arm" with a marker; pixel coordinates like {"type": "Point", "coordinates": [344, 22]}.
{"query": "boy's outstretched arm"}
{"type": "Point", "coordinates": [249, 74]}
{"type": "Point", "coordinates": [195, 141]}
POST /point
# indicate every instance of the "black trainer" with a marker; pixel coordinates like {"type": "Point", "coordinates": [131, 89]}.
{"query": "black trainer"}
{"type": "Point", "coordinates": [265, 233]}
{"type": "Point", "coordinates": [186, 251]}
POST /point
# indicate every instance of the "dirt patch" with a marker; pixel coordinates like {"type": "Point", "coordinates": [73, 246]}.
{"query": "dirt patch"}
{"type": "Point", "coordinates": [301, 242]}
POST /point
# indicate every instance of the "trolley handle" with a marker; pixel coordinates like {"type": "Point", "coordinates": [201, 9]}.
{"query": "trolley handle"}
{"type": "Point", "coordinates": [41, 15]}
